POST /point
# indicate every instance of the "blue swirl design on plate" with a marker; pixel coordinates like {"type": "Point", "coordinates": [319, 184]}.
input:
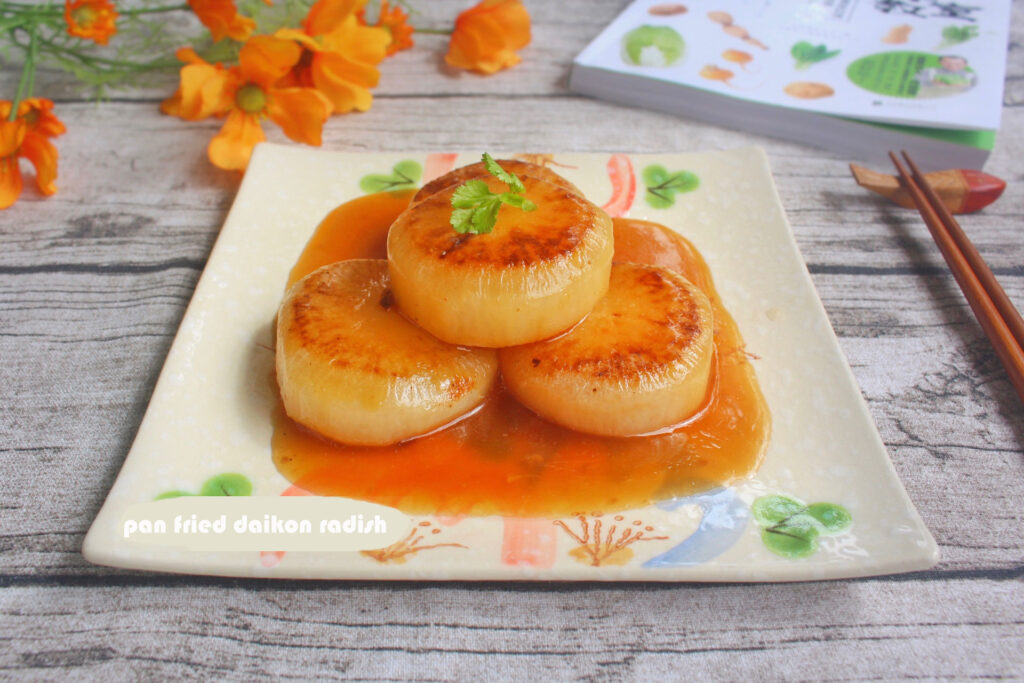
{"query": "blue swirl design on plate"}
{"type": "Point", "coordinates": [721, 526]}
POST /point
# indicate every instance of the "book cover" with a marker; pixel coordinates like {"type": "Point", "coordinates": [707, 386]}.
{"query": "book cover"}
{"type": "Point", "coordinates": [930, 71]}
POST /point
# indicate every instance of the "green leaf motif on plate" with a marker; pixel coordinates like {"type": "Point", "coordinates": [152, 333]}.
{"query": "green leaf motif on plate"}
{"type": "Point", "coordinates": [791, 528]}
{"type": "Point", "coordinates": [227, 484]}
{"type": "Point", "coordinates": [662, 186]}
{"type": "Point", "coordinates": [404, 176]}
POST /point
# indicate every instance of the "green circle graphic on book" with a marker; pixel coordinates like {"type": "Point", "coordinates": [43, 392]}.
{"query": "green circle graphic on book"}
{"type": "Point", "coordinates": [652, 46]}
{"type": "Point", "coordinates": [912, 74]}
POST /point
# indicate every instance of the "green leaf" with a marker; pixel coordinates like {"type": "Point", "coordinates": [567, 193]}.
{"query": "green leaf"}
{"type": "Point", "coordinates": [404, 175]}
{"type": "Point", "coordinates": [486, 216]}
{"type": "Point", "coordinates": [684, 181]}
{"type": "Point", "coordinates": [659, 199]}
{"type": "Point", "coordinates": [173, 494]}
{"type": "Point", "coordinates": [807, 54]}
{"type": "Point", "coordinates": [376, 183]}
{"type": "Point", "coordinates": [791, 541]}
{"type": "Point", "coordinates": [469, 194]}
{"type": "Point", "coordinates": [228, 484]}
{"type": "Point", "coordinates": [461, 220]}
{"type": "Point", "coordinates": [518, 201]}
{"type": "Point", "coordinates": [475, 207]}
{"type": "Point", "coordinates": [655, 175]}
{"type": "Point", "coordinates": [833, 518]}
{"type": "Point", "coordinates": [662, 186]}
{"type": "Point", "coordinates": [409, 169]}
{"type": "Point", "coordinates": [495, 169]}
{"type": "Point", "coordinates": [770, 510]}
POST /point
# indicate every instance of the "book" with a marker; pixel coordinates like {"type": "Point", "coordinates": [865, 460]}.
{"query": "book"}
{"type": "Point", "coordinates": [859, 77]}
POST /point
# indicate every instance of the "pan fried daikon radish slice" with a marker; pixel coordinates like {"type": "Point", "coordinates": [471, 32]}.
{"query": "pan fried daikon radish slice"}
{"type": "Point", "coordinates": [641, 361]}
{"type": "Point", "coordinates": [478, 170]}
{"type": "Point", "coordinates": [353, 369]}
{"type": "Point", "coordinates": [534, 275]}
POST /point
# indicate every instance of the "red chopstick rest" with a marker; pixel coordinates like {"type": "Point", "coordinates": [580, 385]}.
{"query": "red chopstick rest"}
{"type": "Point", "coordinates": [961, 190]}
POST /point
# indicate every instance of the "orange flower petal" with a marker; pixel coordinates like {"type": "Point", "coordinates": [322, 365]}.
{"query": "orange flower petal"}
{"type": "Point", "coordinates": [326, 15]}
{"type": "Point", "coordinates": [264, 60]}
{"type": "Point", "coordinates": [222, 19]}
{"type": "Point", "coordinates": [486, 36]}
{"type": "Point", "coordinates": [205, 91]}
{"type": "Point", "coordinates": [232, 147]}
{"type": "Point", "coordinates": [393, 20]}
{"type": "Point", "coordinates": [10, 181]}
{"type": "Point", "coordinates": [357, 42]}
{"type": "Point", "coordinates": [301, 113]}
{"type": "Point", "coordinates": [344, 82]}
{"type": "Point", "coordinates": [12, 134]}
{"type": "Point", "coordinates": [306, 41]}
{"type": "Point", "coordinates": [189, 56]}
{"type": "Point", "coordinates": [43, 156]}
{"type": "Point", "coordinates": [94, 20]}
{"type": "Point", "coordinates": [38, 115]}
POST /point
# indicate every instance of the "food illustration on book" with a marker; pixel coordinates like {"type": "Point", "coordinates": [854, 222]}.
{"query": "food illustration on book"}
{"type": "Point", "coordinates": [941, 68]}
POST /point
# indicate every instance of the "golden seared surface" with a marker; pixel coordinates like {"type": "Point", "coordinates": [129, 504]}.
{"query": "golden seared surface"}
{"type": "Point", "coordinates": [352, 368]}
{"type": "Point", "coordinates": [640, 362]}
{"type": "Point", "coordinates": [346, 313]}
{"type": "Point", "coordinates": [646, 321]}
{"type": "Point", "coordinates": [535, 275]}
{"type": "Point", "coordinates": [557, 227]}
{"type": "Point", "coordinates": [478, 170]}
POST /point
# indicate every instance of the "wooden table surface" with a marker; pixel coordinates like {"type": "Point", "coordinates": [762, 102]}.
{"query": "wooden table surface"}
{"type": "Point", "coordinates": [94, 282]}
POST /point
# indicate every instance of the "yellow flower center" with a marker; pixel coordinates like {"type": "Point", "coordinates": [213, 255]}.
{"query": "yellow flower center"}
{"type": "Point", "coordinates": [84, 16]}
{"type": "Point", "coordinates": [251, 99]}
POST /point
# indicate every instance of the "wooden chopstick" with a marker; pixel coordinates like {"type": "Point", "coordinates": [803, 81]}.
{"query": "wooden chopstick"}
{"type": "Point", "coordinates": [998, 330]}
{"type": "Point", "coordinates": [970, 252]}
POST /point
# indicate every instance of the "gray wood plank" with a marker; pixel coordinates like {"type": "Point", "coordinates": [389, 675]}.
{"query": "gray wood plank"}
{"type": "Point", "coordinates": [954, 629]}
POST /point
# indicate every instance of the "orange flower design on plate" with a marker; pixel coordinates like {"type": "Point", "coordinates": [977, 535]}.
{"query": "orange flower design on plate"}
{"type": "Point", "coordinates": [94, 20]}
{"type": "Point", "coordinates": [394, 20]}
{"type": "Point", "coordinates": [487, 36]}
{"type": "Point", "coordinates": [221, 17]}
{"type": "Point", "coordinates": [28, 137]}
{"type": "Point", "coordinates": [339, 55]}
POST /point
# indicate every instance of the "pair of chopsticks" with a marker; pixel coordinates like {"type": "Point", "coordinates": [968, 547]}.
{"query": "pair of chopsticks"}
{"type": "Point", "coordinates": [995, 312]}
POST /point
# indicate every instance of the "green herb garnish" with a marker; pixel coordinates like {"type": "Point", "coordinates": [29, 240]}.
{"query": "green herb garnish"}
{"type": "Point", "coordinates": [807, 54]}
{"type": "Point", "coordinates": [954, 35]}
{"type": "Point", "coordinates": [475, 207]}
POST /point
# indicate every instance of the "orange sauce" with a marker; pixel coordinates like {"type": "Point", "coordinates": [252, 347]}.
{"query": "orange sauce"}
{"type": "Point", "coordinates": [503, 459]}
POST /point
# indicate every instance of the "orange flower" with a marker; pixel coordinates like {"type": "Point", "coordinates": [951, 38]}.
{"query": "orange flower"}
{"type": "Point", "coordinates": [37, 113]}
{"type": "Point", "coordinates": [247, 94]}
{"type": "Point", "coordinates": [486, 36]}
{"type": "Point", "coordinates": [26, 137]}
{"type": "Point", "coordinates": [393, 19]}
{"type": "Point", "coordinates": [91, 19]}
{"type": "Point", "coordinates": [223, 19]}
{"type": "Point", "coordinates": [339, 55]}
{"type": "Point", "coordinates": [203, 91]}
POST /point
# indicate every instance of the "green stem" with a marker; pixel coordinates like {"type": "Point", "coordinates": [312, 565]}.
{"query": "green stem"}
{"type": "Point", "coordinates": [153, 10]}
{"type": "Point", "coordinates": [28, 72]}
{"type": "Point", "coordinates": [434, 31]}
{"type": "Point", "coordinates": [92, 59]}
{"type": "Point", "coordinates": [47, 9]}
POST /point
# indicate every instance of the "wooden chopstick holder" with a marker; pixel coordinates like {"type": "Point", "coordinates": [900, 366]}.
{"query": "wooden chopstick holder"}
{"type": "Point", "coordinates": [1007, 348]}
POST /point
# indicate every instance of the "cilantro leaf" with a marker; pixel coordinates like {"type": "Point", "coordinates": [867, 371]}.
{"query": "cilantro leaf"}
{"type": "Point", "coordinates": [475, 208]}
{"type": "Point", "coordinates": [510, 179]}
{"type": "Point", "coordinates": [470, 194]}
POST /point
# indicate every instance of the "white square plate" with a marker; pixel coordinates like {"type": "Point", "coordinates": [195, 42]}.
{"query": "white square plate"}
{"type": "Point", "coordinates": [211, 410]}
